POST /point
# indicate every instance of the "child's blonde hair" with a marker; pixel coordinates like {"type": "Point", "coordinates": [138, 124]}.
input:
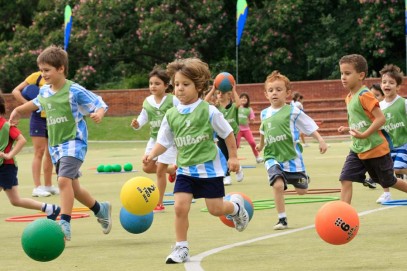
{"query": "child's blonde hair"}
{"type": "Point", "coordinates": [276, 75]}
{"type": "Point", "coordinates": [193, 68]}
{"type": "Point", "coordinates": [54, 56]}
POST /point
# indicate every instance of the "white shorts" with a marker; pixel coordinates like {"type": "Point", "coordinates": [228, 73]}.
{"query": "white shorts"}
{"type": "Point", "coordinates": [169, 157]}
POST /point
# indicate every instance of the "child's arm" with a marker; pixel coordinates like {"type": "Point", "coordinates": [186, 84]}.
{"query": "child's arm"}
{"type": "Point", "coordinates": [17, 92]}
{"type": "Point", "coordinates": [20, 142]}
{"type": "Point", "coordinates": [236, 96]}
{"type": "Point", "coordinates": [378, 122]}
{"type": "Point", "coordinates": [233, 162]}
{"type": "Point", "coordinates": [322, 145]}
{"type": "Point", "coordinates": [157, 150]}
{"type": "Point", "coordinates": [19, 110]}
{"type": "Point", "coordinates": [139, 122]}
{"type": "Point", "coordinates": [343, 129]}
{"type": "Point", "coordinates": [98, 115]}
{"type": "Point", "coordinates": [260, 146]}
{"type": "Point", "coordinates": [210, 94]}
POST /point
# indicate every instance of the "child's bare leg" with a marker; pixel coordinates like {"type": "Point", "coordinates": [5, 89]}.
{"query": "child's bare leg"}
{"type": "Point", "coordinates": [82, 195]}
{"type": "Point", "coordinates": [17, 201]}
{"type": "Point", "coordinates": [182, 206]}
{"type": "Point", "coordinates": [161, 181]}
{"type": "Point", "coordinates": [219, 206]}
{"type": "Point", "coordinates": [346, 191]}
{"type": "Point", "coordinates": [301, 191]}
{"type": "Point", "coordinates": [150, 167]}
{"type": "Point", "coordinates": [66, 195]}
{"type": "Point", "coordinates": [400, 185]}
{"type": "Point", "coordinates": [278, 189]}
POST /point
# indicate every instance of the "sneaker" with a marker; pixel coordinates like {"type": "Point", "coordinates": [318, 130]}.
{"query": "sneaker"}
{"type": "Point", "coordinates": [55, 212]}
{"type": "Point", "coordinates": [159, 208]}
{"type": "Point", "coordinates": [383, 198]}
{"type": "Point", "coordinates": [281, 224]}
{"type": "Point", "coordinates": [241, 219]}
{"type": "Point", "coordinates": [178, 255]}
{"type": "Point", "coordinates": [227, 180]}
{"type": "Point", "coordinates": [105, 216]}
{"type": "Point", "coordinates": [370, 183]}
{"type": "Point", "coordinates": [51, 189]}
{"type": "Point", "coordinates": [39, 192]}
{"type": "Point", "coordinates": [239, 175]}
{"type": "Point", "coordinates": [66, 229]}
{"type": "Point", "coordinates": [172, 177]}
{"type": "Point", "coordinates": [259, 160]}
{"type": "Point", "coordinates": [305, 145]}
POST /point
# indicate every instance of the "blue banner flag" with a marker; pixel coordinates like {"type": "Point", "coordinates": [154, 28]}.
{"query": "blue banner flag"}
{"type": "Point", "coordinates": [241, 16]}
{"type": "Point", "coordinates": [68, 26]}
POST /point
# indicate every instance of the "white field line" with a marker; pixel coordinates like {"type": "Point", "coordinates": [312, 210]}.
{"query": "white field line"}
{"type": "Point", "coordinates": [195, 262]}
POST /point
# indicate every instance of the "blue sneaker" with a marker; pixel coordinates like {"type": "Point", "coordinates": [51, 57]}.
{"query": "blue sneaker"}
{"type": "Point", "coordinates": [55, 212]}
{"type": "Point", "coordinates": [105, 216]}
{"type": "Point", "coordinates": [66, 229]}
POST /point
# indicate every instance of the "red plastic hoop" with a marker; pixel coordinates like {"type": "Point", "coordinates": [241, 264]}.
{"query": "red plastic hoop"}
{"type": "Point", "coordinates": [29, 218]}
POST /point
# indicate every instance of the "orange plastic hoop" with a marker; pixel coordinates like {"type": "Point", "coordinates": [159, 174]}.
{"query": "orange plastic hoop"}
{"type": "Point", "coordinates": [29, 218]}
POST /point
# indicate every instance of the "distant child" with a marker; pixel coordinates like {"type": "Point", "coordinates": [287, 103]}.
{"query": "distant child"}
{"type": "Point", "coordinates": [229, 109]}
{"type": "Point", "coordinates": [8, 167]}
{"type": "Point", "coordinates": [394, 108]}
{"type": "Point", "coordinates": [154, 108]}
{"type": "Point", "coordinates": [201, 164]}
{"type": "Point", "coordinates": [246, 116]}
{"type": "Point", "coordinates": [378, 93]}
{"type": "Point", "coordinates": [65, 104]}
{"type": "Point", "coordinates": [297, 101]}
{"type": "Point", "coordinates": [279, 131]}
{"type": "Point", "coordinates": [369, 150]}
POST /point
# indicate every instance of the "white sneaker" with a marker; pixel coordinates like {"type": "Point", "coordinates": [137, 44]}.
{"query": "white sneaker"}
{"type": "Point", "coordinates": [178, 255]}
{"type": "Point", "coordinates": [383, 198]}
{"type": "Point", "coordinates": [227, 180]}
{"type": "Point", "coordinates": [239, 175]}
{"type": "Point", "coordinates": [38, 192]}
{"type": "Point", "coordinates": [241, 219]}
{"type": "Point", "coordinates": [259, 160]}
{"type": "Point", "coordinates": [51, 189]}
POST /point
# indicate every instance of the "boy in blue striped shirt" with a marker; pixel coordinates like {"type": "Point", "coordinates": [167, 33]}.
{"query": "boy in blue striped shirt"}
{"type": "Point", "coordinates": [66, 103]}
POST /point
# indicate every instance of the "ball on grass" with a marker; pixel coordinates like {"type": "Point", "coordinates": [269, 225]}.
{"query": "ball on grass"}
{"type": "Point", "coordinates": [337, 222]}
{"type": "Point", "coordinates": [224, 81]}
{"type": "Point", "coordinates": [107, 168]}
{"type": "Point", "coordinates": [100, 168]}
{"type": "Point", "coordinates": [135, 223]}
{"type": "Point", "coordinates": [128, 167]}
{"type": "Point", "coordinates": [248, 205]}
{"type": "Point", "coordinates": [43, 240]}
{"type": "Point", "coordinates": [117, 168]}
{"type": "Point", "coordinates": [139, 195]}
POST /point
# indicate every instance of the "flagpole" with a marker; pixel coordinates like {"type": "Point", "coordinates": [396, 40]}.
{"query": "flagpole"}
{"type": "Point", "coordinates": [237, 61]}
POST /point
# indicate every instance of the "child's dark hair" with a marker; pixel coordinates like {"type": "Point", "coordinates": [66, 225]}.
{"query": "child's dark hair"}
{"type": "Point", "coordinates": [394, 72]}
{"type": "Point", "coordinates": [297, 96]}
{"type": "Point", "coordinates": [162, 74]}
{"type": "Point", "coordinates": [377, 87]}
{"type": "Point", "coordinates": [244, 94]}
{"type": "Point", "coordinates": [54, 56]}
{"type": "Point", "coordinates": [2, 105]}
{"type": "Point", "coordinates": [357, 61]}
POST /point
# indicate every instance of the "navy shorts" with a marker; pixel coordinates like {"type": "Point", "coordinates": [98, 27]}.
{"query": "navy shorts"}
{"type": "Point", "coordinates": [8, 176]}
{"type": "Point", "coordinates": [297, 179]}
{"type": "Point", "coordinates": [380, 169]}
{"type": "Point", "coordinates": [38, 125]}
{"type": "Point", "coordinates": [208, 188]}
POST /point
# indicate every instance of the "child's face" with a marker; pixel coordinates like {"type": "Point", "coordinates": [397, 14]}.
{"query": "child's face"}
{"type": "Point", "coordinates": [389, 86]}
{"type": "Point", "coordinates": [276, 92]}
{"type": "Point", "coordinates": [243, 100]}
{"type": "Point", "coordinates": [157, 86]}
{"type": "Point", "coordinates": [50, 74]}
{"type": "Point", "coordinates": [351, 79]}
{"type": "Point", "coordinates": [223, 96]}
{"type": "Point", "coordinates": [185, 89]}
{"type": "Point", "coordinates": [377, 94]}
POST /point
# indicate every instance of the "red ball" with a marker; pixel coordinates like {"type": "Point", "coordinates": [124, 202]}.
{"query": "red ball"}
{"type": "Point", "coordinates": [224, 81]}
{"type": "Point", "coordinates": [337, 222]}
{"type": "Point", "coordinates": [248, 205]}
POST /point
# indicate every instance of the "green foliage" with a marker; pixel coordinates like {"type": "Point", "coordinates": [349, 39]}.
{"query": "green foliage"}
{"type": "Point", "coordinates": [118, 42]}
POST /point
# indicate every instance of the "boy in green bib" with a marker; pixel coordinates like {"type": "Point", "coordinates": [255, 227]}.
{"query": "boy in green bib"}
{"type": "Point", "coordinates": [66, 103]}
{"type": "Point", "coordinates": [369, 150]}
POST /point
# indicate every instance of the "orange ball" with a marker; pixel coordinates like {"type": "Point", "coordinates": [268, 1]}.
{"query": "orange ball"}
{"type": "Point", "coordinates": [224, 81]}
{"type": "Point", "coordinates": [248, 204]}
{"type": "Point", "coordinates": [337, 222]}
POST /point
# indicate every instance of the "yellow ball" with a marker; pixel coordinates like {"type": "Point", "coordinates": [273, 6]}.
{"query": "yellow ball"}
{"type": "Point", "coordinates": [139, 195]}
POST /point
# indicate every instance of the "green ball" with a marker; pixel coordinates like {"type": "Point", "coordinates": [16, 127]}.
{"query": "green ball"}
{"type": "Point", "coordinates": [117, 168]}
{"type": "Point", "coordinates": [128, 167]}
{"type": "Point", "coordinates": [107, 168]}
{"type": "Point", "coordinates": [43, 240]}
{"type": "Point", "coordinates": [100, 168]}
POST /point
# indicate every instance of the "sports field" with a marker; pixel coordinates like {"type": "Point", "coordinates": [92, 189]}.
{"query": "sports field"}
{"type": "Point", "coordinates": [381, 243]}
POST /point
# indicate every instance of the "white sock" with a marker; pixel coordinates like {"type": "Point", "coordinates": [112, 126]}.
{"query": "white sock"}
{"type": "Point", "coordinates": [181, 244]}
{"type": "Point", "coordinates": [236, 208]}
{"type": "Point", "coordinates": [282, 215]}
{"type": "Point", "coordinates": [47, 208]}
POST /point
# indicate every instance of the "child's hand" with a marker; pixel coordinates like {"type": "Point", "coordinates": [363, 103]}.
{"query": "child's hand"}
{"type": "Point", "coordinates": [323, 147]}
{"type": "Point", "coordinates": [135, 124]}
{"type": "Point", "coordinates": [343, 129]}
{"type": "Point", "coordinates": [356, 133]}
{"type": "Point", "coordinates": [5, 156]}
{"type": "Point", "coordinates": [147, 159]}
{"type": "Point", "coordinates": [14, 118]}
{"type": "Point", "coordinates": [96, 117]}
{"type": "Point", "coordinates": [233, 164]}
{"type": "Point", "coordinates": [259, 147]}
